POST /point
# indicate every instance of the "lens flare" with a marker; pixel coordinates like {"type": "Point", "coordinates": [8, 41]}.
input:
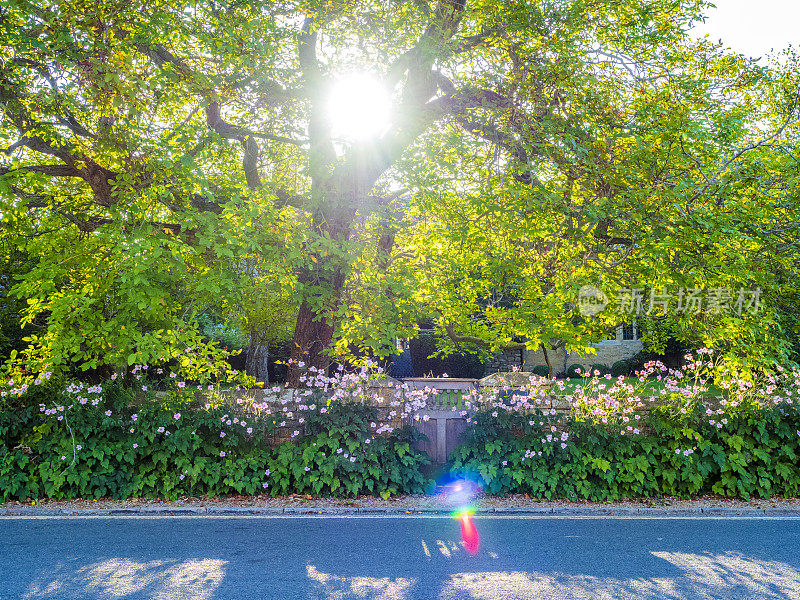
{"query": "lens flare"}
{"type": "Point", "coordinates": [460, 495]}
{"type": "Point", "coordinates": [469, 533]}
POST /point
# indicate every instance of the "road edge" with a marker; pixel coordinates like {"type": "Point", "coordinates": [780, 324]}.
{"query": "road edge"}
{"type": "Point", "coordinates": [178, 511]}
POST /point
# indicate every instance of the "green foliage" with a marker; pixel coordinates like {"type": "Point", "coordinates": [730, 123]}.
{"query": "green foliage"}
{"type": "Point", "coordinates": [92, 443]}
{"type": "Point", "coordinates": [541, 370]}
{"type": "Point", "coordinates": [340, 457]}
{"type": "Point", "coordinates": [226, 335]}
{"type": "Point", "coordinates": [621, 367]}
{"type": "Point", "coordinates": [743, 453]}
{"type": "Point", "coordinates": [575, 370]}
{"type": "Point", "coordinates": [164, 158]}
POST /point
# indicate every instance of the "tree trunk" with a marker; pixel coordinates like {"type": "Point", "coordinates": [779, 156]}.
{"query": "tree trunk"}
{"type": "Point", "coordinates": [547, 360]}
{"type": "Point", "coordinates": [314, 330]}
{"type": "Point", "coordinates": [257, 360]}
{"type": "Point", "coordinates": [311, 339]}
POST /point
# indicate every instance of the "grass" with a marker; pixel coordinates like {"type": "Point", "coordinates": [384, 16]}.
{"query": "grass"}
{"type": "Point", "coordinates": [652, 387]}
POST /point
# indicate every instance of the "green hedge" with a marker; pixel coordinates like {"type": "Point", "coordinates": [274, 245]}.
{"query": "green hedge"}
{"type": "Point", "coordinates": [92, 442]}
{"type": "Point", "coordinates": [98, 446]}
{"type": "Point", "coordinates": [748, 452]}
{"type": "Point", "coordinates": [541, 370]}
{"type": "Point", "coordinates": [621, 367]}
{"type": "Point", "coordinates": [575, 370]}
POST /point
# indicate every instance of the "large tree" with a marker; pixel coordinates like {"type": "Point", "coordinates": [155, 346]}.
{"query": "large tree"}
{"type": "Point", "coordinates": [143, 138]}
{"type": "Point", "coordinates": [680, 174]}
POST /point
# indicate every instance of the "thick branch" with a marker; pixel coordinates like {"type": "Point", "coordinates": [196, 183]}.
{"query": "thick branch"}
{"type": "Point", "coordinates": [477, 341]}
{"type": "Point", "coordinates": [251, 149]}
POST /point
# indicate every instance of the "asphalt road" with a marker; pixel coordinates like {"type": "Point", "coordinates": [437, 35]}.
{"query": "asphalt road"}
{"type": "Point", "coordinates": [398, 558]}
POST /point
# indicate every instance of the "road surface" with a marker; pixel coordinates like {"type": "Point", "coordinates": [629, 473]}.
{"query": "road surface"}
{"type": "Point", "coordinates": [398, 558]}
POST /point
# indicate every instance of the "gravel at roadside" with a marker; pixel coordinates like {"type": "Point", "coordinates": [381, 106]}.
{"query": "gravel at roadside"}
{"type": "Point", "coordinates": [297, 504]}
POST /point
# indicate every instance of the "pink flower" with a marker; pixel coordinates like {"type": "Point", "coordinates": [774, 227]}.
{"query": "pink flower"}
{"type": "Point", "coordinates": [176, 416]}
{"type": "Point", "coordinates": [265, 485]}
{"type": "Point", "coordinates": [160, 430]}
{"type": "Point", "coordinates": [181, 384]}
{"type": "Point", "coordinates": [79, 447]}
{"type": "Point", "coordinates": [108, 413]}
{"type": "Point", "coordinates": [134, 417]}
{"type": "Point", "coordinates": [136, 445]}
{"type": "Point", "coordinates": [249, 430]}
{"type": "Point", "coordinates": [222, 454]}
{"type": "Point", "coordinates": [222, 434]}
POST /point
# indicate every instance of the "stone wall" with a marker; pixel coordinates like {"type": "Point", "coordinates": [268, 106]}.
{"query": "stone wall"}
{"type": "Point", "coordinates": [607, 354]}
{"type": "Point", "coordinates": [504, 362]}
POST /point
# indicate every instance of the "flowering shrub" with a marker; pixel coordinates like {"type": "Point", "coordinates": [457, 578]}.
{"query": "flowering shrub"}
{"type": "Point", "coordinates": [616, 443]}
{"type": "Point", "coordinates": [342, 456]}
{"type": "Point", "coordinates": [620, 438]}
{"type": "Point", "coordinates": [96, 441]}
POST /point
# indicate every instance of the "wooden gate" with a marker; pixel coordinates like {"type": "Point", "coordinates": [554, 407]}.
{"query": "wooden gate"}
{"type": "Point", "coordinates": [441, 420]}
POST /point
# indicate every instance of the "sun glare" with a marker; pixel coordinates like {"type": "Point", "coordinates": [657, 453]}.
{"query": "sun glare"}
{"type": "Point", "coordinates": [358, 107]}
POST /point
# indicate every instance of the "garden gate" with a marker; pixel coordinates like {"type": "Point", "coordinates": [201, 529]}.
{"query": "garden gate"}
{"type": "Point", "coordinates": [441, 420]}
